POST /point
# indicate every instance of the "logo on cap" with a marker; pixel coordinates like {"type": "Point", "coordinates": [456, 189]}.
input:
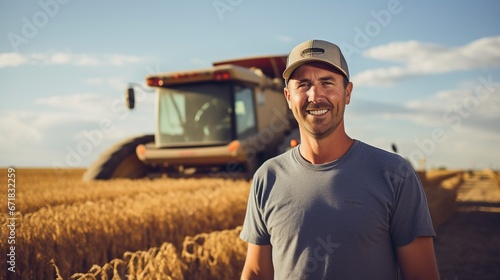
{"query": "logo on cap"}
{"type": "Point", "coordinates": [310, 52]}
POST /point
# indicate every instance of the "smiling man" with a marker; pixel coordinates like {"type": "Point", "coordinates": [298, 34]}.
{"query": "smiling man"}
{"type": "Point", "coordinates": [334, 207]}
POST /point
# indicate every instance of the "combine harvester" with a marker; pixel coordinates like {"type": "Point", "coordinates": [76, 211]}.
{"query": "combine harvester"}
{"type": "Point", "coordinates": [227, 118]}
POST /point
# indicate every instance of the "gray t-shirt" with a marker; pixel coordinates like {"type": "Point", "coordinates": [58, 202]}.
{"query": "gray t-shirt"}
{"type": "Point", "coordinates": [339, 220]}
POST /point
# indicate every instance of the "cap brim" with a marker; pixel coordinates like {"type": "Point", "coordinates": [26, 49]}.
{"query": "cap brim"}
{"type": "Point", "coordinates": [292, 67]}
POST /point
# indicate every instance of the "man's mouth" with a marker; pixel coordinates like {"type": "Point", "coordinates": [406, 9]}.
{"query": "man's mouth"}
{"type": "Point", "coordinates": [317, 112]}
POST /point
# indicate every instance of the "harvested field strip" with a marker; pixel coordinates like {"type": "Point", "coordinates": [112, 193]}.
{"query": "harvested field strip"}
{"type": "Point", "coordinates": [441, 197]}
{"type": "Point", "coordinates": [468, 245]}
{"type": "Point", "coordinates": [434, 178]}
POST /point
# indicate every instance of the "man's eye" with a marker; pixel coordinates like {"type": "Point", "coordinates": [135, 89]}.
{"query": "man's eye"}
{"type": "Point", "coordinates": [303, 85]}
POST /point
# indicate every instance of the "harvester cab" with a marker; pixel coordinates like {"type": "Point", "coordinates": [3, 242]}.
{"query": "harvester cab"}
{"type": "Point", "coordinates": [230, 117]}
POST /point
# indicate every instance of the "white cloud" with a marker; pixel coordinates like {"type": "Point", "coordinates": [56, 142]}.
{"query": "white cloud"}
{"type": "Point", "coordinates": [38, 138]}
{"type": "Point", "coordinates": [380, 76]}
{"type": "Point", "coordinates": [419, 58]}
{"type": "Point", "coordinates": [472, 106]}
{"type": "Point", "coordinates": [91, 107]}
{"type": "Point", "coordinates": [66, 58]}
{"type": "Point", "coordinates": [87, 60]}
{"type": "Point", "coordinates": [17, 124]}
{"type": "Point", "coordinates": [450, 128]}
{"type": "Point", "coordinates": [12, 60]}
{"type": "Point", "coordinates": [89, 103]}
{"type": "Point", "coordinates": [461, 108]}
{"type": "Point", "coordinates": [58, 58]}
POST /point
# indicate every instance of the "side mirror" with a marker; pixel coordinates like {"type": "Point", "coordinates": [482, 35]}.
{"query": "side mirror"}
{"type": "Point", "coordinates": [130, 98]}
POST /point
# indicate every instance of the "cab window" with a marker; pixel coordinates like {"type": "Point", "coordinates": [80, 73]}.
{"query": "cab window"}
{"type": "Point", "coordinates": [244, 109]}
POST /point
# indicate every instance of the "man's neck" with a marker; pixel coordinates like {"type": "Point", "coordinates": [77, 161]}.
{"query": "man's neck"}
{"type": "Point", "coordinates": [318, 151]}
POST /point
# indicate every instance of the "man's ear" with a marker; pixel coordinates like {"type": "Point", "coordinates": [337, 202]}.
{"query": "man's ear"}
{"type": "Point", "coordinates": [348, 91]}
{"type": "Point", "coordinates": [287, 96]}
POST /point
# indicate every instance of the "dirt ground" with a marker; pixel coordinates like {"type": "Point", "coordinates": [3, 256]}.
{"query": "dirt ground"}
{"type": "Point", "coordinates": [468, 245]}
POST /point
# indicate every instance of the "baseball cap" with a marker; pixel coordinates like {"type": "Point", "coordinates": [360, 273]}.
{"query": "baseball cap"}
{"type": "Point", "coordinates": [315, 51]}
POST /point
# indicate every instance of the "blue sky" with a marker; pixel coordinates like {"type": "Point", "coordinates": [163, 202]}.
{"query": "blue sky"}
{"type": "Point", "coordinates": [426, 74]}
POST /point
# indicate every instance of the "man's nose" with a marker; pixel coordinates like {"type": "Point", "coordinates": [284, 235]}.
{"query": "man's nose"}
{"type": "Point", "coordinates": [314, 94]}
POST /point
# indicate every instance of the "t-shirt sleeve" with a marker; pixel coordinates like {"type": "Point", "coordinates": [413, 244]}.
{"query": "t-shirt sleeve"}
{"type": "Point", "coordinates": [254, 229]}
{"type": "Point", "coordinates": [410, 214]}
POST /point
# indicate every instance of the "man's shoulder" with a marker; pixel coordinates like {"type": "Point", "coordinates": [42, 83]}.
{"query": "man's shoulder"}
{"type": "Point", "coordinates": [276, 165]}
{"type": "Point", "coordinates": [378, 152]}
{"type": "Point", "coordinates": [279, 161]}
{"type": "Point", "coordinates": [381, 156]}
{"type": "Point", "coordinates": [385, 162]}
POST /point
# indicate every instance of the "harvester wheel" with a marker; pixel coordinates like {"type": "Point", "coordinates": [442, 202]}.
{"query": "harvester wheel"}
{"type": "Point", "coordinates": [120, 161]}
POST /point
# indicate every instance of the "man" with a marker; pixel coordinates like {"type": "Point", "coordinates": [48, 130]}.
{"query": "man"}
{"type": "Point", "coordinates": [334, 207]}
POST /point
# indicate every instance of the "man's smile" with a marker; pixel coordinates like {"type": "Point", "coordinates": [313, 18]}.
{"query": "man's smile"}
{"type": "Point", "coordinates": [317, 112]}
{"type": "Point", "coordinates": [318, 109]}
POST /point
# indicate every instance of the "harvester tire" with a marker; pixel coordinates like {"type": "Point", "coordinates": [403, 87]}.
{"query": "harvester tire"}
{"type": "Point", "coordinates": [120, 161]}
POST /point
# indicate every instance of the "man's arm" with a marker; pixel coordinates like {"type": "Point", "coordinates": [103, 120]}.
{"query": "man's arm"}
{"type": "Point", "coordinates": [417, 259]}
{"type": "Point", "coordinates": [259, 263]}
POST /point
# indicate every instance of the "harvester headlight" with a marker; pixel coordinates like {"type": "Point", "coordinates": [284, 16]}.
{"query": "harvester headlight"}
{"type": "Point", "coordinates": [233, 146]}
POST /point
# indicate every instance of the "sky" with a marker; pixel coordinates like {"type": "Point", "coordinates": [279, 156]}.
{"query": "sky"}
{"type": "Point", "coordinates": [426, 74]}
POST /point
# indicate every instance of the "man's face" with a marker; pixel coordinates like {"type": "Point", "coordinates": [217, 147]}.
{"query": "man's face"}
{"type": "Point", "coordinates": [317, 96]}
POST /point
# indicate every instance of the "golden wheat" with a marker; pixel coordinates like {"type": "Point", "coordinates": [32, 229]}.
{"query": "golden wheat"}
{"type": "Point", "coordinates": [39, 188]}
{"type": "Point", "coordinates": [217, 255]}
{"type": "Point", "coordinates": [156, 263]}
{"type": "Point", "coordinates": [80, 234]}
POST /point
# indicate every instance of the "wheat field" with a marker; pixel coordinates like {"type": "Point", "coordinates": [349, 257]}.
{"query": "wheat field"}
{"type": "Point", "coordinates": [142, 229]}
{"type": "Point", "coordinates": [77, 224]}
{"type": "Point", "coordinates": [218, 255]}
